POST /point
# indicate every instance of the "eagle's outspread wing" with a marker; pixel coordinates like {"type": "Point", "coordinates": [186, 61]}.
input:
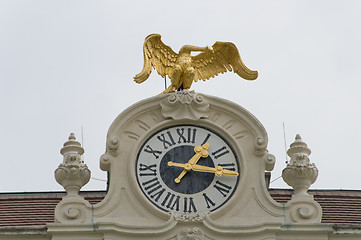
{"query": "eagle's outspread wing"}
{"type": "Point", "coordinates": [156, 55]}
{"type": "Point", "coordinates": [225, 56]}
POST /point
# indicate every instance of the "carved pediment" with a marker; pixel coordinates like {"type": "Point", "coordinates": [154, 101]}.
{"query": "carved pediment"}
{"type": "Point", "coordinates": [185, 105]}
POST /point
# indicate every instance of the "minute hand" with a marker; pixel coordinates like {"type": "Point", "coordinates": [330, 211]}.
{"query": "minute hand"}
{"type": "Point", "coordinates": [201, 151]}
{"type": "Point", "coordinates": [219, 170]}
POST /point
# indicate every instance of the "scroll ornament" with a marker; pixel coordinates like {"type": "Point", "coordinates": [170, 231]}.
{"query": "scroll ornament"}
{"type": "Point", "coordinates": [185, 105]}
{"type": "Point", "coordinates": [190, 234]}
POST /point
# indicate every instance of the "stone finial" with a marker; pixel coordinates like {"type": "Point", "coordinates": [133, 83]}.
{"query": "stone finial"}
{"type": "Point", "coordinates": [72, 174]}
{"type": "Point", "coordinates": [299, 173]}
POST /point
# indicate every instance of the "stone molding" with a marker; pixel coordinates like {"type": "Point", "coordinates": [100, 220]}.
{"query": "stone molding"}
{"type": "Point", "coordinates": [185, 105]}
{"type": "Point", "coordinates": [125, 210]}
{"type": "Point", "coordinates": [189, 217]}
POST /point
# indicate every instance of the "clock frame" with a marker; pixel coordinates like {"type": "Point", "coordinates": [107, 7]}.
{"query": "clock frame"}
{"type": "Point", "coordinates": [197, 191]}
{"type": "Point", "coordinates": [129, 132]}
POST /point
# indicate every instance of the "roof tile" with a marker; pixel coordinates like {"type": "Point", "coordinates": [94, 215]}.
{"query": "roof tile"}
{"type": "Point", "coordinates": [341, 207]}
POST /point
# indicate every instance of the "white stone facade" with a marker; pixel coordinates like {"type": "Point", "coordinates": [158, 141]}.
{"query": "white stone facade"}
{"type": "Point", "coordinates": [251, 213]}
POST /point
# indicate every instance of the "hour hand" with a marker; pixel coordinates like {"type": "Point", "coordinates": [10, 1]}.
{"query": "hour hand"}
{"type": "Point", "coordinates": [170, 163]}
{"type": "Point", "coordinates": [186, 167]}
{"type": "Point", "coordinates": [201, 151]}
{"type": "Point", "coordinates": [219, 170]}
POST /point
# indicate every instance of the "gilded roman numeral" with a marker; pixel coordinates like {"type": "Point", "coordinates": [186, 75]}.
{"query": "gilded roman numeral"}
{"type": "Point", "coordinates": [167, 141]}
{"type": "Point", "coordinates": [156, 153]}
{"type": "Point", "coordinates": [209, 202]}
{"type": "Point", "coordinates": [147, 170]}
{"type": "Point", "coordinates": [189, 205]}
{"type": "Point", "coordinates": [220, 152]}
{"type": "Point", "coordinates": [222, 188]}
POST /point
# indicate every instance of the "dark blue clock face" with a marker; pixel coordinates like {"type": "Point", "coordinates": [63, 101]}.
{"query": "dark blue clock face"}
{"type": "Point", "coordinates": [165, 155]}
{"type": "Point", "coordinates": [192, 182]}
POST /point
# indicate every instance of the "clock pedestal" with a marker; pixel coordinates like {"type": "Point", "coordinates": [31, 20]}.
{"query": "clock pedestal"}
{"type": "Point", "coordinates": [129, 211]}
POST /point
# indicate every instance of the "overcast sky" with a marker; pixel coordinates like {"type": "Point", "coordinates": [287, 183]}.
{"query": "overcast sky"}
{"type": "Point", "coordinates": [68, 65]}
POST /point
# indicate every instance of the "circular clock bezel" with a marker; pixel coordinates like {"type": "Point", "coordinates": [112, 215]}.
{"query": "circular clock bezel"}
{"type": "Point", "coordinates": [205, 124]}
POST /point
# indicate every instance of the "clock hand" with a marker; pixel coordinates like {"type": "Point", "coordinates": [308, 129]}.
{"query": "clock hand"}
{"type": "Point", "coordinates": [219, 170]}
{"type": "Point", "coordinates": [201, 151]}
{"type": "Point", "coordinates": [171, 164]}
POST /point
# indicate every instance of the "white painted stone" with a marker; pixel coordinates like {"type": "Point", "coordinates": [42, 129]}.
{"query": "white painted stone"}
{"type": "Point", "coordinates": [126, 213]}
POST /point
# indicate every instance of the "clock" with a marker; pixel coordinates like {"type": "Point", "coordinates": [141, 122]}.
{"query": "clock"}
{"type": "Point", "coordinates": [187, 168]}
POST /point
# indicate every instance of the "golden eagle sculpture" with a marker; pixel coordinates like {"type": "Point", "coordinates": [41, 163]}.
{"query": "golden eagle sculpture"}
{"type": "Point", "coordinates": [183, 68]}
